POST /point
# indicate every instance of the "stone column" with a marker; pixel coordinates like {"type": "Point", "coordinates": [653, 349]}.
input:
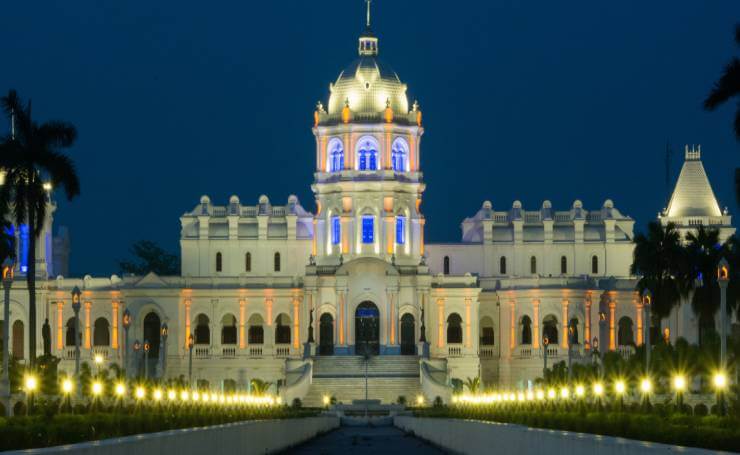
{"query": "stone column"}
{"type": "Point", "coordinates": [536, 324]}
{"type": "Point", "coordinates": [587, 322]}
{"type": "Point", "coordinates": [564, 337]}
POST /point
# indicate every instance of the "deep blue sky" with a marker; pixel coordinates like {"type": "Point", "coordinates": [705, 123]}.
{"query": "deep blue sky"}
{"type": "Point", "coordinates": [526, 100]}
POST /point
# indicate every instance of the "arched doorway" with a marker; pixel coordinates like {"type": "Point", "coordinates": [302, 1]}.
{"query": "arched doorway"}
{"type": "Point", "coordinates": [152, 325]}
{"type": "Point", "coordinates": [18, 340]}
{"type": "Point", "coordinates": [408, 347]}
{"type": "Point", "coordinates": [367, 329]}
{"type": "Point", "coordinates": [326, 334]}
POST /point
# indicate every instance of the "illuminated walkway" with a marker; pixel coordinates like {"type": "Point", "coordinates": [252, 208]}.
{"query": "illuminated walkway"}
{"type": "Point", "coordinates": [366, 440]}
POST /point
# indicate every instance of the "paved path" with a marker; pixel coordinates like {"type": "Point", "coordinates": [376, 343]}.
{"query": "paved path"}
{"type": "Point", "coordinates": [366, 440]}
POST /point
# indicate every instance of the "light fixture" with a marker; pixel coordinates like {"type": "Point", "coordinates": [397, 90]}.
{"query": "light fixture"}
{"type": "Point", "coordinates": [540, 395]}
{"type": "Point", "coordinates": [67, 386]}
{"type": "Point", "coordinates": [97, 388]}
{"type": "Point", "coordinates": [420, 400]}
{"type": "Point", "coordinates": [719, 380]}
{"type": "Point", "coordinates": [646, 386]}
{"type": "Point", "coordinates": [157, 394]}
{"type": "Point", "coordinates": [140, 393]}
{"type": "Point", "coordinates": [620, 387]}
{"type": "Point", "coordinates": [580, 391]}
{"type": "Point", "coordinates": [184, 395]}
{"type": "Point", "coordinates": [31, 383]}
{"type": "Point", "coordinates": [679, 383]}
{"type": "Point", "coordinates": [98, 359]}
{"type": "Point", "coordinates": [551, 394]}
{"type": "Point", "coordinates": [120, 389]}
{"type": "Point", "coordinates": [564, 393]}
{"type": "Point", "coordinates": [171, 395]}
{"type": "Point", "coordinates": [598, 389]}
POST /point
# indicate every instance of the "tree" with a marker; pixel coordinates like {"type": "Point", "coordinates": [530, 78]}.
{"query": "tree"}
{"type": "Point", "coordinates": [31, 159]}
{"type": "Point", "coordinates": [726, 88]}
{"type": "Point", "coordinates": [260, 387]}
{"type": "Point", "coordinates": [473, 384]}
{"type": "Point", "coordinates": [151, 258]}
{"type": "Point", "coordinates": [660, 261]}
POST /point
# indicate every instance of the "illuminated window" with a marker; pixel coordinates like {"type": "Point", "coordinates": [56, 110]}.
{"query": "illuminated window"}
{"type": "Point", "coordinates": [368, 225]}
{"type": "Point", "coordinates": [336, 155]}
{"type": "Point", "coordinates": [367, 154]}
{"type": "Point", "coordinates": [399, 155]}
{"type": "Point", "coordinates": [336, 230]}
{"type": "Point", "coordinates": [400, 230]}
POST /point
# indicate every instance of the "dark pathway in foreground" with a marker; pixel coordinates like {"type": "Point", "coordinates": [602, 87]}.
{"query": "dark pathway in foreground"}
{"type": "Point", "coordinates": [366, 440]}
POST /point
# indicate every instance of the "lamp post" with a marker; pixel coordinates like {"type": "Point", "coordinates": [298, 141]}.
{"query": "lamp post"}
{"type": "Point", "coordinates": [76, 308]}
{"type": "Point", "coordinates": [570, 351]}
{"type": "Point", "coordinates": [126, 324]}
{"type": "Point", "coordinates": [147, 346]}
{"type": "Point", "coordinates": [163, 347]}
{"type": "Point", "coordinates": [190, 359]}
{"type": "Point", "coordinates": [8, 266]}
{"type": "Point", "coordinates": [545, 342]}
{"type": "Point", "coordinates": [723, 277]}
{"type": "Point", "coordinates": [647, 300]}
{"type": "Point", "coordinates": [137, 348]}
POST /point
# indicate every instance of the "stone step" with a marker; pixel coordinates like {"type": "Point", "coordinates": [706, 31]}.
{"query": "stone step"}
{"type": "Point", "coordinates": [378, 366]}
{"type": "Point", "coordinates": [345, 390]}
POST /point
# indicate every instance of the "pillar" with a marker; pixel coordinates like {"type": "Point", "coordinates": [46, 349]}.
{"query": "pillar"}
{"type": "Point", "coordinates": [114, 319]}
{"type": "Point", "coordinates": [536, 324]}
{"type": "Point", "coordinates": [88, 342]}
{"type": "Point", "coordinates": [512, 324]}
{"type": "Point", "coordinates": [296, 323]}
{"type": "Point", "coordinates": [441, 323]}
{"type": "Point", "coordinates": [60, 324]}
{"type": "Point", "coordinates": [612, 328]}
{"type": "Point", "coordinates": [187, 323]}
{"type": "Point", "coordinates": [587, 322]}
{"type": "Point", "coordinates": [564, 338]}
{"type": "Point", "coordinates": [242, 323]}
{"type": "Point", "coordinates": [639, 309]}
{"type": "Point", "coordinates": [468, 317]}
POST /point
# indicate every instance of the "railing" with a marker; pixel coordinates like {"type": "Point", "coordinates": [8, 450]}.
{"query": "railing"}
{"type": "Point", "coordinates": [561, 217]}
{"type": "Point", "coordinates": [278, 211]}
{"type": "Point", "coordinates": [626, 351]}
{"type": "Point", "coordinates": [525, 352]}
{"type": "Point", "coordinates": [249, 212]}
{"type": "Point", "coordinates": [500, 218]}
{"type": "Point", "coordinates": [202, 352]}
{"type": "Point", "coordinates": [454, 350]}
{"type": "Point", "coordinates": [255, 351]}
{"type": "Point", "coordinates": [103, 351]}
{"type": "Point", "coordinates": [69, 353]}
{"type": "Point", "coordinates": [228, 352]}
{"type": "Point", "coordinates": [282, 350]}
{"type": "Point", "coordinates": [532, 218]}
{"type": "Point", "coordinates": [553, 351]}
{"type": "Point", "coordinates": [219, 211]}
{"type": "Point", "coordinates": [486, 353]}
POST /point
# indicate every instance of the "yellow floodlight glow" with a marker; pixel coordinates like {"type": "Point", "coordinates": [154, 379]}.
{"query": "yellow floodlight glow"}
{"type": "Point", "coordinates": [679, 383]}
{"type": "Point", "coordinates": [646, 386]}
{"type": "Point", "coordinates": [171, 395]}
{"type": "Point", "coordinates": [206, 397]}
{"type": "Point", "coordinates": [420, 400]}
{"type": "Point", "coordinates": [598, 389]}
{"type": "Point", "coordinates": [620, 387]}
{"type": "Point", "coordinates": [140, 393]}
{"type": "Point", "coordinates": [184, 395]}
{"type": "Point", "coordinates": [97, 388]}
{"type": "Point", "coordinates": [580, 391]}
{"type": "Point", "coordinates": [564, 393]}
{"type": "Point", "coordinates": [98, 359]}
{"type": "Point", "coordinates": [67, 386]}
{"type": "Point", "coordinates": [157, 394]}
{"type": "Point", "coordinates": [530, 395]}
{"type": "Point", "coordinates": [196, 396]}
{"type": "Point", "coordinates": [120, 389]}
{"type": "Point", "coordinates": [540, 395]}
{"type": "Point", "coordinates": [551, 394]}
{"type": "Point", "coordinates": [30, 383]}
{"type": "Point", "coordinates": [719, 380]}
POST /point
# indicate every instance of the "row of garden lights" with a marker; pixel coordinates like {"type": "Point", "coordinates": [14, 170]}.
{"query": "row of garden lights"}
{"type": "Point", "coordinates": [679, 384]}
{"type": "Point", "coordinates": [141, 393]}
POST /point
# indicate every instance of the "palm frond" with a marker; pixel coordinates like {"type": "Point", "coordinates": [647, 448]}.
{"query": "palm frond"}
{"type": "Point", "coordinates": [62, 171]}
{"type": "Point", "coordinates": [726, 87]}
{"type": "Point", "coordinates": [57, 134]}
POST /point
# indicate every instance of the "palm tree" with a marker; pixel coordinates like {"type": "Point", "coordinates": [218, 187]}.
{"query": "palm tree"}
{"type": "Point", "coordinates": [260, 387]}
{"type": "Point", "coordinates": [704, 252]}
{"type": "Point", "coordinates": [30, 157]}
{"type": "Point", "coordinates": [727, 87]}
{"type": "Point", "coordinates": [660, 261]}
{"type": "Point", "coordinates": [473, 384]}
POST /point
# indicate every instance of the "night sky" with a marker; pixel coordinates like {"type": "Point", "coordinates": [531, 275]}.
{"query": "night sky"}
{"type": "Point", "coordinates": [527, 100]}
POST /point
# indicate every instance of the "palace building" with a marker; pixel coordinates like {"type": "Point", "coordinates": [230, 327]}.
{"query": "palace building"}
{"type": "Point", "coordinates": [275, 292]}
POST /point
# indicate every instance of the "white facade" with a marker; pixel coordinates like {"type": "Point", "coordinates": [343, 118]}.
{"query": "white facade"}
{"type": "Point", "coordinates": [260, 281]}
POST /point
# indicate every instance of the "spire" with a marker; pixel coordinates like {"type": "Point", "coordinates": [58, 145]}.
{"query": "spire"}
{"type": "Point", "coordinates": [368, 40]}
{"type": "Point", "coordinates": [693, 195]}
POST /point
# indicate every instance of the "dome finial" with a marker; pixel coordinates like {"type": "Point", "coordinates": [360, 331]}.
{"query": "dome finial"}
{"type": "Point", "coordinates": [368, 41]}
{"type": "Point", "coordinates": [368, 13]}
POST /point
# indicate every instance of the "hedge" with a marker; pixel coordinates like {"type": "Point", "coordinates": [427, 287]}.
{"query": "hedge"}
{"type": "Point", "coordinates": [34, 431]}
{"type": "Point", "coordinates": [710, 432]}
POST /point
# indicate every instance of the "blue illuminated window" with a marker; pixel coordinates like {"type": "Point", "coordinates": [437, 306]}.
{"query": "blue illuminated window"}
{"type": "Point", "coordinates": [336, 155]}
{"type": "Point", "coordinates": [399, 154]}
{"type": "Point", "coordinates": [367, 155]}
{"type": "Point", "coordinates": [336, 230]}
{"type": "Point", "coordinates": [400, 230]}
{"type": "Point", "coordinates": [368, 229]}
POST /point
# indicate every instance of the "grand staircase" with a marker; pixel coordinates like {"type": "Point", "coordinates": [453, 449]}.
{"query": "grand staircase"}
{"type": "Point", "coordinates": [343, 377]}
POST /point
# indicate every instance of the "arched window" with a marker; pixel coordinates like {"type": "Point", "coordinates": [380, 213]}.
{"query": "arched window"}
{"type": "Point", "coordinates": [255, 333]}
{"type": "Point", "coordinates": [336, 230]}
{"type": "Point", "coordinates": [101, 332]}
{"type": "Point", "coordinates": [400, 230]}
{"type": "Point", "coordinates": [625, 335]}
{"type": "Point", "coordinates": [228, 329]}
{"type": "Point", "coordinates": [69, 339]}
{"type": "Point", "coordinates": [446, 265]}
{"type": "Point", "coordinates": [248, 262]}
{"type": "Point", "coordinates": [533, 265]}
{"type": "Point", "coordinates": [152, 330]}
{"type": "Point", "coordinates": [282, 329]}
{"type": "Point", "coordinates": [202, 330]}
{"type": "Point", "coordinates": [502, 265]}
{"type": "Point", "coordinates": [219, 262]}
{"type": "Point", "coordinates": [368, 229]}
{"type": "Point", "coordinates": [399, 155]}
{"type": "Point", "coordinates": [486, 331]}
{"type": "Point", "coordinates": [277, 262]}
{"type": "Point", "coordinates": [454, 329]}
{"type": "Point", "coordinates": [550, 329]}
{"type": "Point", "coordinates": [526, 332]}
{"type": "Point", "coordinates": [367, 154]}
{"type": "Point", "coordinates": [563, 265]}
{"type": "Point", "coordinates": [594, 264]}
{"type": "Point", "coordinates": [335, 161]}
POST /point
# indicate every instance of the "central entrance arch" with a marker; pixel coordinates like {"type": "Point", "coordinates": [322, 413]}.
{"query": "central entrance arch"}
{"type": "Point", "coordinates": [367, 329]}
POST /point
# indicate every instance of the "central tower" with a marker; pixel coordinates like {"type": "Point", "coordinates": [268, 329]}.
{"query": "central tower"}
{"type": "Point", "coordinates": [368, 181]}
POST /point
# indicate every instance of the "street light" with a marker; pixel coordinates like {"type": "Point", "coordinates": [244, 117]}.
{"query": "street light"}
{"type": "Point", "coordinates": [164, 332]}
{"type": "Point", "coordinates": [8, 267]}
{"type": "Point", "coordinates": [647, 300]}
{"type": "Point", "coordinates": [679, 385]}
{"type": "Point", "coordinates": [719, 380]}
{"type": "Point", "coordinates": [723, 278]}
{"type": "Point", "coordinates": [545, 343]}
{"type": "Point", "coordinates": [191, 342]}
{"type": "Point", "coordinates": [126, 324]}
{"type": "Point", "coordinates": [76, 308]}
{"type": "Point", "coordinates": [120, 389]}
